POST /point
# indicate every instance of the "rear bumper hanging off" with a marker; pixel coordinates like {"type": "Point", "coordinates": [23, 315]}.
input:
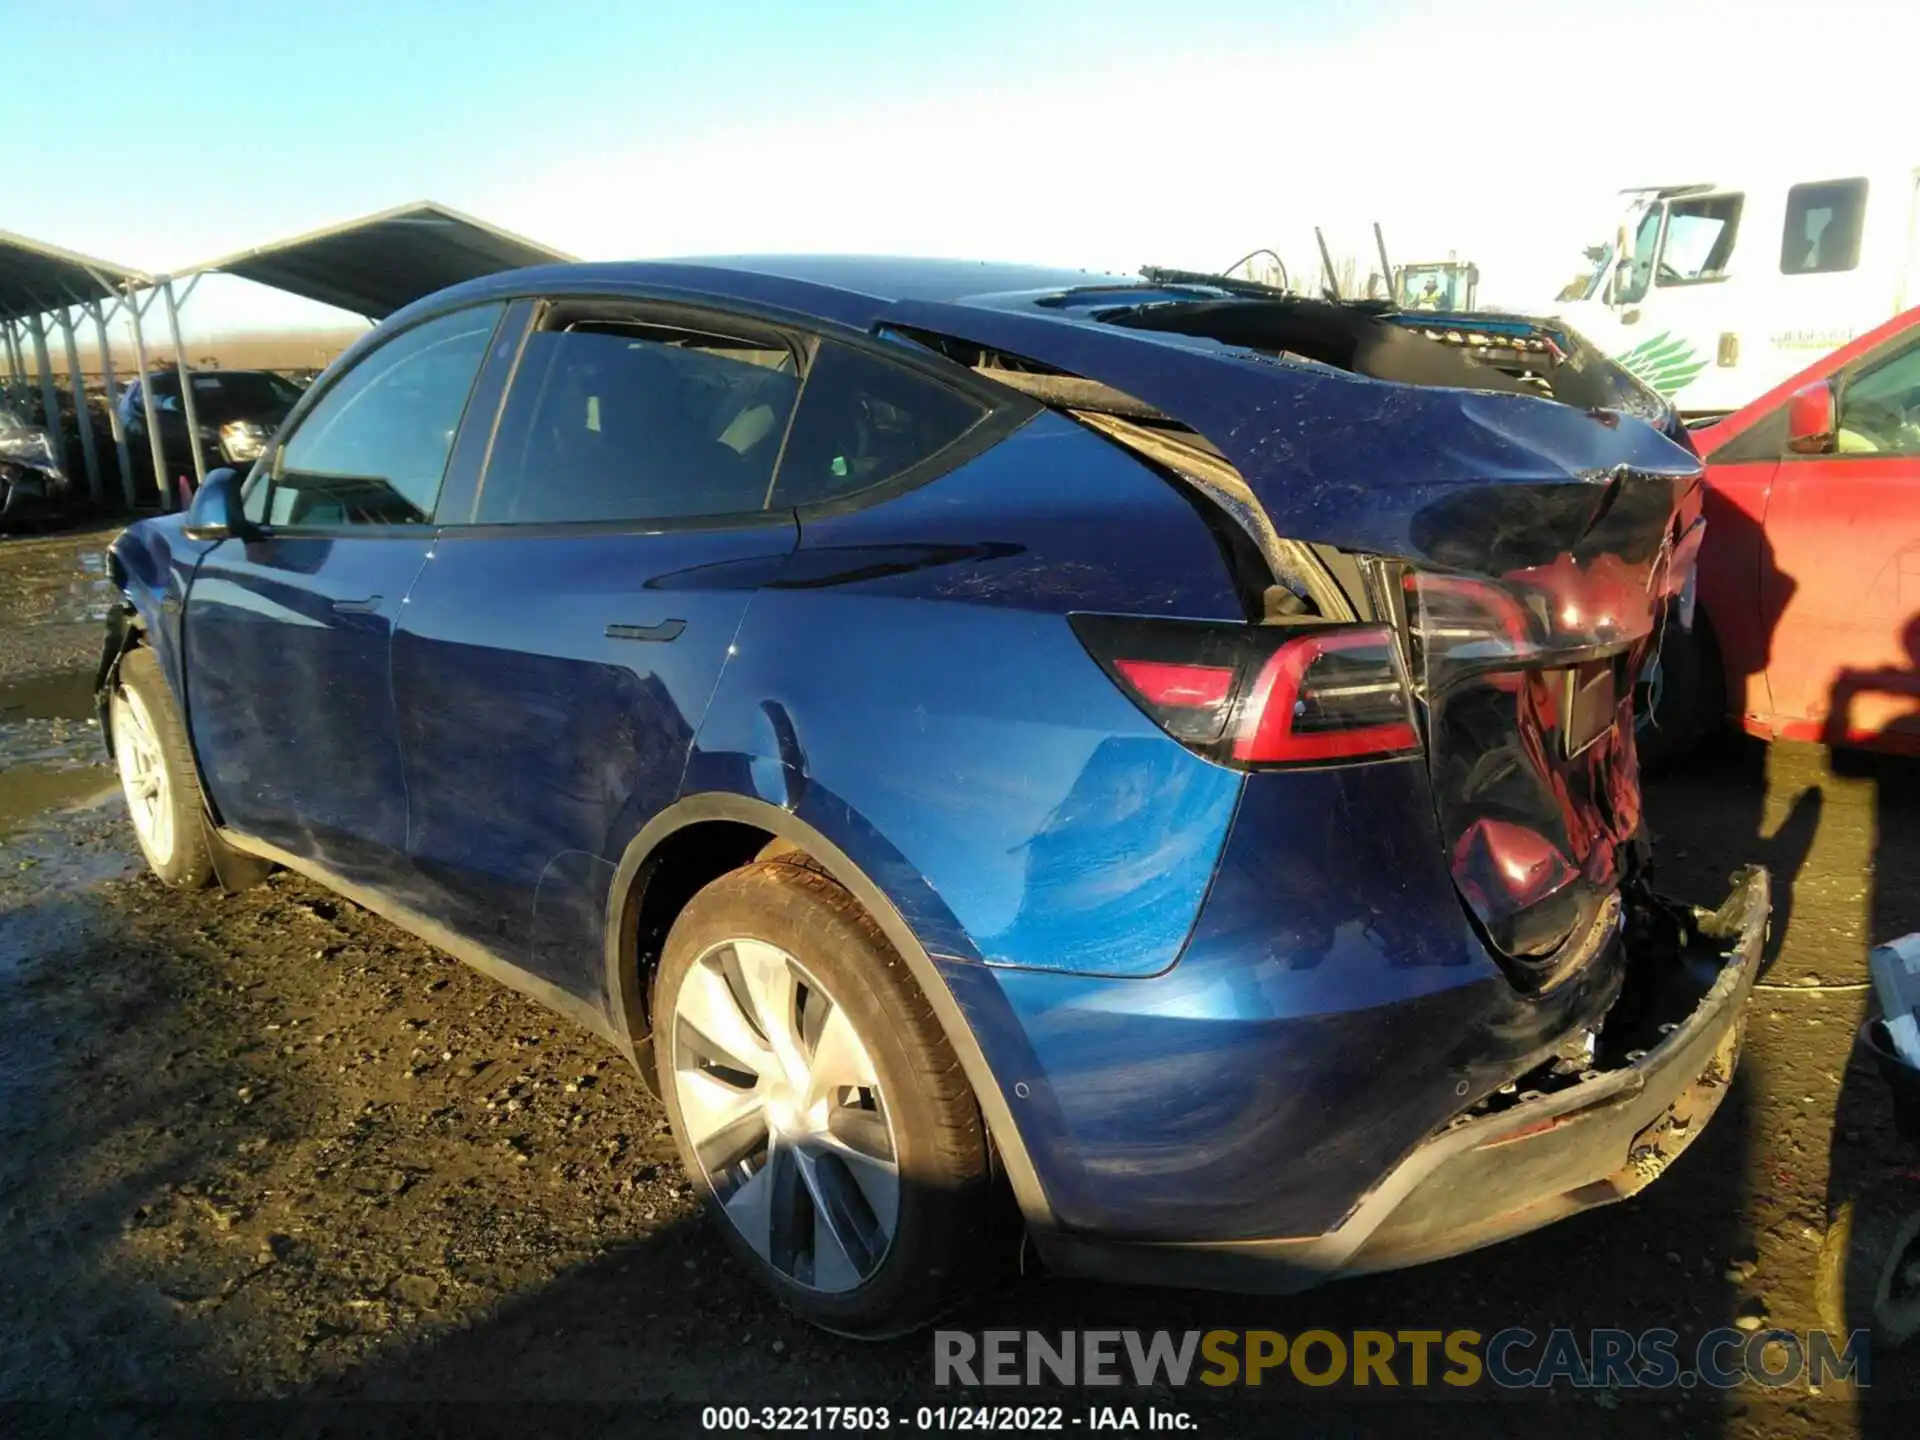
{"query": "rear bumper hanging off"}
{"type": "Point", "coordinates": [1489, 1177]}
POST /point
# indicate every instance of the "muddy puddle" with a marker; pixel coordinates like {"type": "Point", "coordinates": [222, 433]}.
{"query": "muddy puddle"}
{"type": "Point", "coordinates": [67, 696]}
{"type": "Point", "coordinates": [28, 791]}
{"type": "Point", "coordinates": [50, 750]}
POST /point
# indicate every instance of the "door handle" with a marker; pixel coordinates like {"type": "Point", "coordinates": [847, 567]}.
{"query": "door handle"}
{"type": "Point", "coordinates": [666, 630]}
{"type": "Point", "coordinates": [368, 606]}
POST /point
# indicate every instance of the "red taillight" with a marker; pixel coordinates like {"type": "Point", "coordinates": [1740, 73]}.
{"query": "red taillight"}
{"type": "Point", "coordinates": [1467, 613]}
{"type": "Point", "coordinates": [1337, 695]}
{"type": "Point", "coordinates": [1160, 683]}
{"type": "Point", "coordinates": [1254, 695]}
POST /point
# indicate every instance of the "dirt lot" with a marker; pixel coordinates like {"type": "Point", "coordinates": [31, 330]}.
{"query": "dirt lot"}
{"type": "Point", "coordinates": [269, 1147]}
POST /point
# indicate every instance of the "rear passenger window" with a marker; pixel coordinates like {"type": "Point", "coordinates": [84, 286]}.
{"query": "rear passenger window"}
{"type": "Point", "coordinates": [864, 420]}
{"type": "Point", "coordinates": [1822, 234]}
{"type": "Point", "coordinates": [624, 420]}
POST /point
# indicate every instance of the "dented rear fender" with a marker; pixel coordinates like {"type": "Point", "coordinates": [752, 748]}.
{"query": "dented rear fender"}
{"type": "Point", "coordinates": [1344, 460]}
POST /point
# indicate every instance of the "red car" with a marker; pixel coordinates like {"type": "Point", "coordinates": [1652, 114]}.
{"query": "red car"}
{"type": "Point", "coordinates": [1808, 620]}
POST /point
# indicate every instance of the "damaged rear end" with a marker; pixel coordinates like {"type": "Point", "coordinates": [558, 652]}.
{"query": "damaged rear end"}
{"type": "Point", "coordinates": [1455, 549]}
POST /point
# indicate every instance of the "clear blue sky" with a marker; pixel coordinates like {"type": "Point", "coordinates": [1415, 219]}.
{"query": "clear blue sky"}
{"type": "Point", "coordinates": [162, 135]}
{"type": "Point", "coordinates": [1100, 134]}
{"type": "Point", "coordinates": [221, 124]}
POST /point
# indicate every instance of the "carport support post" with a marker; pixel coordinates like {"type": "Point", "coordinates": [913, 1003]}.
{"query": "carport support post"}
{"type": "Point", "coordinates": [48, 392]}
{"type": "Point", "coordinates": [14, 368]}
{"type": "Point", "coordinates": [83, 412]}
{"type": "Point", "coordinates": [145, 382]}
{"type": "Point", "coordinates": [113, 401]}
{"type": "Point", "coordinates": [186, 381]}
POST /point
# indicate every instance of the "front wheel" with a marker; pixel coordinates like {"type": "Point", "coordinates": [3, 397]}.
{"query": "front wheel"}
{"type": "Point", "coordinates": [817, 1104]}
{"type": "Point", "coordinates": [156, 774]}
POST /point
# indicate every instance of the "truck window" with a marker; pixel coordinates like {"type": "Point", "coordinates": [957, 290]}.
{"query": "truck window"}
{"type": "Point", "coordinates": [1822, 234]}
{"type": "Point", "coordinates": [1700, 235]}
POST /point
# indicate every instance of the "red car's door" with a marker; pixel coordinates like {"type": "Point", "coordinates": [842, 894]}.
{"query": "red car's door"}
{"type": "Point", "coordinates": [1844, 531]}
{"type": "Point", "coordinates": [1733, 580]}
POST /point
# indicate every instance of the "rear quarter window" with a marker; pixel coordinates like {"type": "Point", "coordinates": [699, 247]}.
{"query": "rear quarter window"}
{"type": "Point", "coordinates": [863, 421]}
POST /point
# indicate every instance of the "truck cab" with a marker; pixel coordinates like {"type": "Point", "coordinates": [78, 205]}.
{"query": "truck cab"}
{"type": "Point", "coordinates": [1713, 293]}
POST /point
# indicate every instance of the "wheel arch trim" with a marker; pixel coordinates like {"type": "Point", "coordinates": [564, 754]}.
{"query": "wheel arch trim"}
{"type": "Point", "coordinates": [125, 628]}
{"type": "Point", "coordinates": [129, 628]}
{"type": "Point", "coordinates": [627, 1002]}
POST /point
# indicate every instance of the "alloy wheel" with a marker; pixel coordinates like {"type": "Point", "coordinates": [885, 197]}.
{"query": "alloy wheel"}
{"type": "Point", "coordinates": [782, 1105]}
{"type": "Point", "coordinates": [143, 775]}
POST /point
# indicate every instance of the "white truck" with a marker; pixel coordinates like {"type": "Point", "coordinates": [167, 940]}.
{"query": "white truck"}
{"type": "Point", "coordinates": [1715, 293]}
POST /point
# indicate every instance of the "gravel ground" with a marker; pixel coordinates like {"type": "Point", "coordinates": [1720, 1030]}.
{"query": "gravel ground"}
{"type": "Point", "coordinates": [52, 589]}
{"type": "Point", "coordinates": [268, 1146]}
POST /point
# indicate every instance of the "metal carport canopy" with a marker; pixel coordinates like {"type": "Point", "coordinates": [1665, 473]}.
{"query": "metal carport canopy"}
{"type": "Point", "coordinates": [37, 278]}
{"type": "Point", "coordinates": [376, 265]}
{"type": "Point", "coordinates": [41, 282]}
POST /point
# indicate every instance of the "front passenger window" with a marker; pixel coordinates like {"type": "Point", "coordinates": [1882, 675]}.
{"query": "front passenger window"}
{"type": "Point", "coordinates": [374, 449]}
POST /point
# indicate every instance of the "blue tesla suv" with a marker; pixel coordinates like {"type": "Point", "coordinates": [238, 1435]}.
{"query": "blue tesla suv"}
{"type": "Point", "coordinates": [1146, 764]}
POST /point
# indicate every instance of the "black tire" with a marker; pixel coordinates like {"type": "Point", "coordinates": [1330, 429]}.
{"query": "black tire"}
{"type": "Point", "coordinates": [1688, 702]}
{"type": "Point", "coordinates": [185, 860]}
{"type": "Point", "coordinates": [947, 1213]}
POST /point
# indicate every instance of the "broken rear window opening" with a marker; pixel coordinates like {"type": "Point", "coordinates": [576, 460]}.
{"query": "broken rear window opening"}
{"type": "Point", "coordinates": [1347, 337]}
{"type": "Point", "coordinates": [1509, 354]}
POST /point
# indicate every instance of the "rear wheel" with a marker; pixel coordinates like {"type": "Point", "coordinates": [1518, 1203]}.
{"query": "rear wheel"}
{"type": "Point", "coordinates": [156, 774]}
{"type": "Point", "coordinates": [1680, 698]}
{"type": "Point", "coordinates": [817, 1104]}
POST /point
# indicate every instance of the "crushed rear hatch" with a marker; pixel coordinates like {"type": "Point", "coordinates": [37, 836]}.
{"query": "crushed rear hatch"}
{"type": "Point", "coordinates": [1525, 549]}
{"type": "Point", "coordinates": [1527, 656]}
